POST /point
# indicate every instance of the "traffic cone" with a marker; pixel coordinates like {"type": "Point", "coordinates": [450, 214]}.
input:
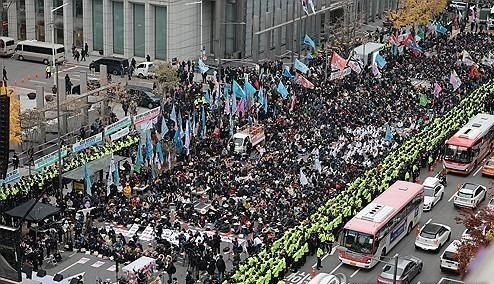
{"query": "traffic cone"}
{"type": "Point", "coordinates": [313, 273]}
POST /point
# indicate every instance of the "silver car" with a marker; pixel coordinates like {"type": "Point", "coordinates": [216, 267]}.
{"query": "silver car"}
{"type": "Point", "coordinates": [408, 268]}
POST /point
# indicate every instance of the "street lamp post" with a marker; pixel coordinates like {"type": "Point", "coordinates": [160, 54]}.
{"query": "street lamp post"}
{"type": "Point", "coordinates": [57, 93]}
{"type": "Point", "coordinates": [201, 25]}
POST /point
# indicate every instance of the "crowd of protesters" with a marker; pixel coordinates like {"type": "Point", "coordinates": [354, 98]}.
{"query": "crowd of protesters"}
{"type": "Point", "coordinates": [328, 134]}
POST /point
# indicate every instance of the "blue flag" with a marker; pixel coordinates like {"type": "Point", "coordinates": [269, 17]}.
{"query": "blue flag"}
{"type": "Point", "coordinates": [203, 67]}
{"type": "Point", "coordinates": [308, 41]}
{"type": "Point", "coordinates": [415, 46]}
{"type": "Point", "coordinates": [87, 179]}
{"type": "Point", "coordinates": [265, 103]}
{"type": "Point", "coordinates": [139, 159]}
{"type": "Point", "coordinates": [282, 90]}
{"type": "Point", "coordinates": [177, 140]}
{"type": "Point", "coordinates": [116, 174]}
{"type": "Point", "coordinates": [286, 73]}
{"type": "Point", "coordinates": [309, 56]}
{"type": "Point", "coordinates": [249, 89]}
{"type": "Point", "coordinates": [159, 152]}
{"type": "Point", "coordinates": [388, 136]}
{"type": "Point", "coordinates": [203, 125]}
{"type": "Point", "coordinates": [440, 29]}
{"type": "Point", "coordinates": [180, 124]}
{"type": "Point", "coordinates": [237, 90]}
{"type": "Point", "coordinates": [173, 116]}
{"type": "Point", "coordinates": [149, 146]}
{"type": "Point", "coordinates": [226, 90]}
{"type": "Point", "coordinates": [207, 97]}
{"type": "Point", "coordinates": [300, 66]}
{"type": "Point", "coordinates": [164, 127]}
{"type": "Point", "coordinates": [380, 61]}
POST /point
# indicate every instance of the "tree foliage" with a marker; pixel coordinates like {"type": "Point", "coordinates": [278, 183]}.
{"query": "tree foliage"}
{"type": "Point", "coordinates": [15, 135]}
{"type": "Point", "coordinates": [414, 12]}
{"type": "Point", "coordinates": [167, 77]}
{"type": "Point", "coordinates": [481, 230]}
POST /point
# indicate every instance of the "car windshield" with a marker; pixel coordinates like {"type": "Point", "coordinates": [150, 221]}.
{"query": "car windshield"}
{"type": "Point", "coordinates": [429, 192]}
{"type": "Point", "coordinates": [458, 154]}
{"type": "Point", "coordinates": [389, 270]}
{"type": "Point", "coordinates": [464, 194]}
{"type": "Point", "coordinates": [357, 242]}
{"type": "Point", "coordinates": [238, 141]}
{"type": "Point", "coordinates": [448, 255]}
{"type": "Point", "coordinates": [427, 235]}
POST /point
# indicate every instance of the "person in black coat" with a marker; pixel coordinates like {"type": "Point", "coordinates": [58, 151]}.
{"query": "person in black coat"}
{"type": "Point", "coordinates": [221, 266]}
{"type": "Point", "coordinates": [211, 268]}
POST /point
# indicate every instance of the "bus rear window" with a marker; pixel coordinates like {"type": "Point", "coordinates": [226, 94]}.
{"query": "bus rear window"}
{"type": "Point", "coordinates": [10, 43]}
{"type": "Point", "coordinates": [60, 50]}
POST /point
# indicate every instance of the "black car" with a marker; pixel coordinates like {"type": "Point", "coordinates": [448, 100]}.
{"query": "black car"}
{"type": "Point", "coordinates": [114, 65]}
{"type": "Point", "coordinates": [144, 97]}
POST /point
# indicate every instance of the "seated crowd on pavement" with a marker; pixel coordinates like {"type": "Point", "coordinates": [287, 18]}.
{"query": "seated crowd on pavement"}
{"type": "Point", "coordinates": [317, 141]}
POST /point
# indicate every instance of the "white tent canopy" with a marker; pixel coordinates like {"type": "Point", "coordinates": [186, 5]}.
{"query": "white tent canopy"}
{"type": "Point", "coordinates": [370, 48]}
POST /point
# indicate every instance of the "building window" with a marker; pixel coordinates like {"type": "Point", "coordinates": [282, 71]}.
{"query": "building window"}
{"type": "Point", "coordinates": [21, 20]}
{"type": "Point", "coordinates": [40, 20]}
{"type": "Point", "coordinates": [118, 28]}
{"type": "Point", "coordinates": [139, 33]}
{"type": "Point", "coordinates": [98, 25]}
{"type": "Point", "coordinates": [58, 22]}
{"type": "Point", "coordinates": [78, 35]}
{"type": "Point", "coordinates": [230, 17]}
{"type": "Point", "coordinates": [160, 32]}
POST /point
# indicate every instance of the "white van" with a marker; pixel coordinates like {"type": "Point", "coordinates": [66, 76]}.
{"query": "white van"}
{"type": "Point", "coordinates": [449, 259]}
{"type": "Point", "coordinates": [144, 70]}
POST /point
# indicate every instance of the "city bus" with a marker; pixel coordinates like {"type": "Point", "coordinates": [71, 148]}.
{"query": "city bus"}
{"type": "Point", "coordinates": [375, 230]}
{"type": "Point", "coordinates": [470, 145]}
{"type": "Point", "coordinates": [7, 46]}
{"type": "Point", "coordinates": [39, 51]}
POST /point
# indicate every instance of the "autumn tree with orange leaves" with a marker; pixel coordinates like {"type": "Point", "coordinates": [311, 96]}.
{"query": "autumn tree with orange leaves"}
{"type": "Point", "coordinates": [15, 136]}
{"type": "Point", "coordinates": [416, 12]}
{"type": "Point", "coordinates": [481, 230]}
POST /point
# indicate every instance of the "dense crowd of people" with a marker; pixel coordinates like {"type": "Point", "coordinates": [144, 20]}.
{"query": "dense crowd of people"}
{"type": "Point", "coordinates": [317, 141]}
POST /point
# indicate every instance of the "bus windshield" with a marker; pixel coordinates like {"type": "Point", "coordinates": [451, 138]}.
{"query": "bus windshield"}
{"type": "Point", "coordinates": [357, 242]}
{"type": "Point", "coordinates": [458, 154]}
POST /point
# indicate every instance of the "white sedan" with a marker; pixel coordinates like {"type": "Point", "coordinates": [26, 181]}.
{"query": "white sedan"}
{"type": "Point", "coordinates": [432, 236]}
{"type": "Point", "coordinates": [433, 192]}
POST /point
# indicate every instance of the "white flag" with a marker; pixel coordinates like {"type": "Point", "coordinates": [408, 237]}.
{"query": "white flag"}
{"type": "Point", "coordinates": [454, 80]}
{"type": "Point", "coordinates": [109, 182]}
{"type": "Point", "coordinates": [303, 178]}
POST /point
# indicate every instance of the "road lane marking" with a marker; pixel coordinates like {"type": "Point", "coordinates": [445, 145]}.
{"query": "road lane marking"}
{"type": "Point", "coordinates": [68, 267]}
{"type": "Point", "coordinates": [355, 273]}
{"type": "Point", "coordinates": [336, 268]}
{"type": "Point", "coordinates": [477, 171]}
{"type": "Point", "coordinates": [38, 82]}
{"type": "Point", "coordinates": [323, 258]}
{"type": "Point", "coordinates": [428, 221]}
{"type": "Point", "coordinates": [73, 254]}
{"type": "Point", "coordinates": [449, 279]}
{"type": "Point", "coordinates": [333, 250]}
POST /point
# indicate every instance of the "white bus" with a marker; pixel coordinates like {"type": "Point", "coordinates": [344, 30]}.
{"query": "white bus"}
{"type": "Point", "coordinates": [39, 51]}
{"type": "Point", "coordinates": [7, 46]}
{"type": "Point", "coordinates": [375, 230]}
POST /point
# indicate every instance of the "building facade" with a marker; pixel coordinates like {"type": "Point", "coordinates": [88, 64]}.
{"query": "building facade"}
{"type": "Point", "coordinates": [166, 29]}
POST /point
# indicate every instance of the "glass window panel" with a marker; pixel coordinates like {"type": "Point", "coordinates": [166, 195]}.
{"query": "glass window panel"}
{"type": "Point", "coordinates": [160, 32]}
{"type": "Point", "coordinates": [58, 22]}
{"type": "Point", "coordinates": [118, 28]}
{"type": "Point", "coordinates": [21, 19]}
{"type": "Point", "coordinates": [78, 27]}
{"type": "Point", "coordinates": [139, 33]}
{"type": "Point", "coordinates": [40, 20]}
{"type": "Point", "coordinates": [97, 24]}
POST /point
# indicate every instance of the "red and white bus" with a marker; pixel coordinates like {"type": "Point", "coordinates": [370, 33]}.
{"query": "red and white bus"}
{"type": "Point", "coordinates": [375, 230]}
{"type": "Point", "coordinates": [470, 145]}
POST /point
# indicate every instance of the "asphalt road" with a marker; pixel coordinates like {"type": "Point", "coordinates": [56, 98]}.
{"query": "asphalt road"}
{"type": "Point", "coordinates": [444, 213]}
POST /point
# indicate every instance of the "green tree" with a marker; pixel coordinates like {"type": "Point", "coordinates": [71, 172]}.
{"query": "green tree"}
{"type": "Point", "coordinates": [167, 77]}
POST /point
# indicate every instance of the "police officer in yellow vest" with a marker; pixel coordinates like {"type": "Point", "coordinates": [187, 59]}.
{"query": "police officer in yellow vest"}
{"type": "Point", "coordinates": [319, 254]}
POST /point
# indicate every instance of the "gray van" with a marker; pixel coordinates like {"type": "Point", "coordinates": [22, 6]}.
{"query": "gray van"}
{"type": "Point", "coordinates": [113, 65]}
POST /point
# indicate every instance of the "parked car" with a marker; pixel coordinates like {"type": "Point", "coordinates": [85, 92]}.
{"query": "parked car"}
{"type": "Point", "coordinates": [433, 192]}
{"type": "Point", "coordinates": [408, 268]}
{"type": "Point", "coordinates": [490, 205]}
{"type": "Point", "coordinates": [469, 195]}
{"type": "Point", "coordinates": [467, 234]}
{"type": "Point", "coordinates": [432, 236]}
{"type": "Point", "coordinates": [113, 65]}
{"type": "Point", "coordinates": [144, 70]}
{"type": "Point", "coordinates": [144, 98]}
{"type": "Point", "coordinates": [449, 258]}
{"type": "Point", "coordinates": [488, 168]}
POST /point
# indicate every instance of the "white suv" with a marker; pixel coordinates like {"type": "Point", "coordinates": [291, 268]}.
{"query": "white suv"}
{"type": "Point", "coordinates": [449, 259]}
{"type": "Point", "coordinates": [469, 195]}
{"type": "Point", "coordinates": [432, 236]}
